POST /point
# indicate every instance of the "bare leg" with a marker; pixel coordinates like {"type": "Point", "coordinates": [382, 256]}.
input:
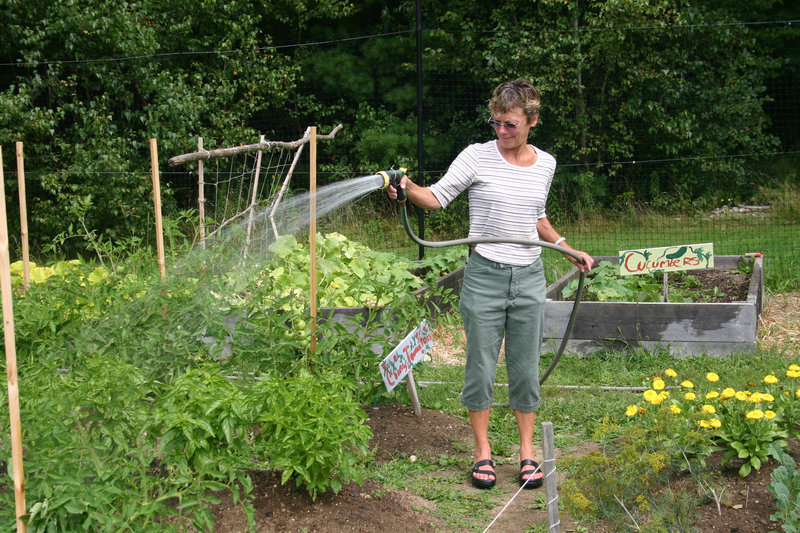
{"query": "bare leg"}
{"type": "Point", "coordinates": [480, 429]}
{"type": "Point", "coordinates": [526, 423]}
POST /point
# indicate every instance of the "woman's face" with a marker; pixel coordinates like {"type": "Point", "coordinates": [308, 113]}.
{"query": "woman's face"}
{"type": "Point", "coordinates": [512, 128]}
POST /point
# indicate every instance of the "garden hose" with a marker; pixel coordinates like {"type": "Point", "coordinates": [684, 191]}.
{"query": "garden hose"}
{"type": "Point", "coordinates": [512, 240]}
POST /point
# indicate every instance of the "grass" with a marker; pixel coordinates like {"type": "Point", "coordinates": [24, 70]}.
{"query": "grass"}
{"type": "Point", "coordinates": [579, 415]}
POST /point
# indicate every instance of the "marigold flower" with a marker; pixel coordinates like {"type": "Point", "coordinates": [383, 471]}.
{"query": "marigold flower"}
{"type": "Point", "coordinates": [755, 414]}
{"type": "Point", "coordinates": [797, 393]}
{"type": "Point", "coordinates": [715, 423]}
{"type": "Point", "coordinates": [756, 397]}
{"type": "Point", "coordinates": [650, 395]}
{"type": "Point", "coordinates": [793, 373]}
{"type": "Point", "coordinates": [687, 384]}
{"type": "Point", "coordinates": [631, 410]}
{"type": "Point", "coordinates": [727, 392]}
{"type": "Point", "coordinates": [769, 414]}
{"type": "Point", "coordinates": [768, 397]}
{"type": "Point", "coordinates": [794, 368]}
{"type": "Point", "coordinates": [711, 394]}
{"type": "Point", "coordinates": [704, 423]}
{"type": "Point", "coordinates": [712, 377]}
{"type": "Point", "coordinates": [709, 409]}
{"type": "Point", "coordinates": [770, 379]}
{"type": "Point", "coordinates": [671, 373]}
{"type": "Point", "coordinates": [658, 384]}
{"type": "Point", "coordinates": [690, 396]}
{"type": "Point", "coordinates": [741, 396]}
{"type": "Point", "coordinates": [675, 409]}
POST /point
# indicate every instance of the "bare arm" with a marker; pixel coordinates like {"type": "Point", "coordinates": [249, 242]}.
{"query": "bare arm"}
{"type": "Point", "coordinates": [419, 196]}
{"type": "Point", "coordinates": [548, 233]}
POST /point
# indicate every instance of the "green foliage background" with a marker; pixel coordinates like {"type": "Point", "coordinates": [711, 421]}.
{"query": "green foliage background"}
{"type": "Point", "coordinates": [698, 92]}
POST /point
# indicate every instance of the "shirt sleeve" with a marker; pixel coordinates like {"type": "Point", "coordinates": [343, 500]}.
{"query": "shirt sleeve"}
{"type": "Point", "coordinates": [458, 177]}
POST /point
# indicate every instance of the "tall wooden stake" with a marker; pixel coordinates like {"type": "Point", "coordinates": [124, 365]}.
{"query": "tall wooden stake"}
{"type": "Point", "coordinates": [11, 360]}
{"type": "Point", "coordinates": [201, 194]}
{"type": "Point", "coordinates": [312, 232]}
{"type": "Point", "coordinates": [23, 218]}
{"type": "Point", "coordinates": [157, 208]}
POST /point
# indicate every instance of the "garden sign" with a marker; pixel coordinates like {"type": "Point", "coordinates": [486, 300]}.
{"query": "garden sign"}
{"type": "Point", "coordinates": [406, 355]}
{"type": "Point", "coordinates": [666, 259]}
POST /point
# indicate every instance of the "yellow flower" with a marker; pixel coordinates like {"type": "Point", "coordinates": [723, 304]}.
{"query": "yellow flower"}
{"type": "Point", "coordinates": [709, 409]}
{"type": "Point", "coordinates": [658, 384]}
{"type": "Point", "coordinates": [690, 396]}
{"type": "Point", "coordinates": [631, 410]}
{"type": "Point", "coordinates": [768, 397]}
{"type": "Point", "coordinates": [727, 392]}
{"type": "Point", "coordinates": [769, 414]}
{"type": "Point", "coordinates": [756, 397]}
{"type": "Point", "coordinates": [650, 395]}
{"type": "Point", "coordinates": [675, 409]}
{"type": "Point", "coordinates": [770, 379]}
{"type": "Point", "coordinates": [715, 423]}
{"type": "Point", "coordinates": [712, 377]}
{"type": "Point", "coordinates": [797, 393]}
{"type": "Point", "coordinates": [794, 368]}
{"type": "Point", "coordinates": [755, 414]}
{"type": "Point", "coordinates": [687, 384]}
{"type": "Point", "coordinates": [711, 394]}
{"type": "Point", "coordinates": [704, 423]}
{"type": "Point", "coordinates": [793, 373]}
{"type": "Point", "coordinates": [741, 396]}
{"type": "Point", "coordinates": [671, 373]}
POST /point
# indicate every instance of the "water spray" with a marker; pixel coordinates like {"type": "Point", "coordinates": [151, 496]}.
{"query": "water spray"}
{"type": "Point", "coordinates": [393, 177]}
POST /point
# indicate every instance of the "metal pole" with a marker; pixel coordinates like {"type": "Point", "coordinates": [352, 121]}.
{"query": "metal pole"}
{"type": "Point", "coordinates": [420, 149]}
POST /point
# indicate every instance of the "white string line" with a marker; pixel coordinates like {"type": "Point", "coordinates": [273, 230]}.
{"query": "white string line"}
{"type": "Point", "coordinates": [530, 477]}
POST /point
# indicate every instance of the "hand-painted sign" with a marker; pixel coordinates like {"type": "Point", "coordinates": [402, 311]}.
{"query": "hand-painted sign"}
{"type": "Point", "coordinates": [666, 259]}
{"type": "Point", "coordinates": [406, 355]}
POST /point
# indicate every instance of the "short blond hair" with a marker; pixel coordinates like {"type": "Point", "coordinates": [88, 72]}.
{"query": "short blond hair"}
{"type": "Point", "coordinates": [516, 94]}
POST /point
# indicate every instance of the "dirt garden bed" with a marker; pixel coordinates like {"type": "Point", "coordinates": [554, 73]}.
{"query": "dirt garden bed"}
{"type": "Point", "coordinates": [371, 507]}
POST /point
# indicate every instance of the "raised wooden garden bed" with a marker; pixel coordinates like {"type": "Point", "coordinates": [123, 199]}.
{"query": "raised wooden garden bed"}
{"type": "Point", "coordinates": [682, 328]}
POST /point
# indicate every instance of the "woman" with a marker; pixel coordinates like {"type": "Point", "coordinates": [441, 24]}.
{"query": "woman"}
{"type": "Point", "coordinates": [503, 293]}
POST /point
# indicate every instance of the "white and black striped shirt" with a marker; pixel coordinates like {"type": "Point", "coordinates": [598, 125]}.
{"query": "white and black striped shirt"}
{"type": "Point", "coordinates": [505, 200]}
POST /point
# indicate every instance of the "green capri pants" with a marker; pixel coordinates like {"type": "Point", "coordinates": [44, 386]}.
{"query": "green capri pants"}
{"type": "Point", "coordinates": [500, 300]}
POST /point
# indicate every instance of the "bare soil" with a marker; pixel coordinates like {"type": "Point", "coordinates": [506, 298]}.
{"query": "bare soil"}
{"type": "Point", "coordinates": [745, 506]}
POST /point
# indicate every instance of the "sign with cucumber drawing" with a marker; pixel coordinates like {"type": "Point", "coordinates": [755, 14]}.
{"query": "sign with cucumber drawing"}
{"type": "Point", "coordinates": [666, 259]}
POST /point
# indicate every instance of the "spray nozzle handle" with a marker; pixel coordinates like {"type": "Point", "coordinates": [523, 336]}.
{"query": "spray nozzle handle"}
{"type": "Point", "coordinates": [392, 177]}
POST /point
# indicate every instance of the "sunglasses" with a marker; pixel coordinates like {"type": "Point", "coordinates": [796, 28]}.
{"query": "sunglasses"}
{"type": "Point", "coordinates": [496, 124]}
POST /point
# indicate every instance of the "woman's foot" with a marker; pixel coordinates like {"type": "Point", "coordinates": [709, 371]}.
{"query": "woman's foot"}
{"type": "Point", "coordinates": [483, 478]}
{"type": "Point", "coordinates": [530, 474]}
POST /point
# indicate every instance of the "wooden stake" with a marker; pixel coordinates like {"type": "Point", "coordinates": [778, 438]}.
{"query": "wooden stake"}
{"type": "Point", "coordinates": [157, 207]}
{"type": "Point", "coordinates": [412, 393]}
{"type": "Point", "coordinates": [312, 232]}
{"type": "Point", "coordinates": [549, 470]}
{"type": "Point", "coordinates": [11, 360]}
{"type": "Point", "coordinates": [23, 219]}
{"type": "Point", "coordinates": [201, 194]}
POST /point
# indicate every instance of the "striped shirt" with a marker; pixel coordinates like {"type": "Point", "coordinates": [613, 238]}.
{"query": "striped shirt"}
{"type": "Point", "coordinates": [504, 199]}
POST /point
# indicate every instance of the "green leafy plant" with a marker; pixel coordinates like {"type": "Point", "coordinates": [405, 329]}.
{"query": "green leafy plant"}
{"type": "Point", "coordinates": [785, 486]}
{"type": "Point", "coordinates": [311, 427]}
{"type": "Point", "coordinates": [604, 284]}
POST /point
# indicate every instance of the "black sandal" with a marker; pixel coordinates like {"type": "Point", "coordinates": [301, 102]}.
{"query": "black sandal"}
{"type": "Point", "coordinates": [483, 483]}
{"type": "Point", "coordinates": [528, 481]}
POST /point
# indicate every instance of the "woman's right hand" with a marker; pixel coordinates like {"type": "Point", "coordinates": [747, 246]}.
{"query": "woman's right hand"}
{"type": "Point", "coordinates": [392, 192]}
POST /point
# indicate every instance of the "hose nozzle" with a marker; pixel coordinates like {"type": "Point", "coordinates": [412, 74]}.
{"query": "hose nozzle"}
{"type": "Point", "coordinates": [392, 177]}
